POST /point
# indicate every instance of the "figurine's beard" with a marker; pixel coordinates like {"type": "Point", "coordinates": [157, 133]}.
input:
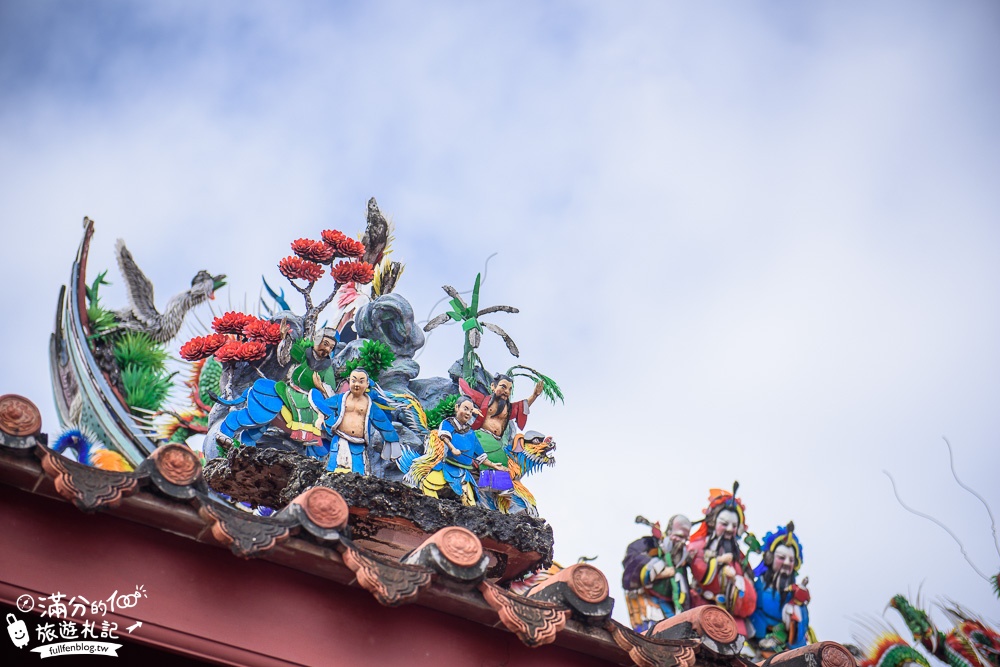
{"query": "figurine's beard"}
{"type": "Point", "coordinates": [777, 580]}
{"type": "Point", "coordinates": [726, 545]}
{"type": "Point", "coordinates": [678, 552]}
{"type": "Point", "coordinates": [500, 403]}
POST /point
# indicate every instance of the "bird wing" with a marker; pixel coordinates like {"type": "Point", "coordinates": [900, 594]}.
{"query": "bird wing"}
{"type": "Point", "coordinates": [434, 451]}
{"type": "Point", "coordinates": [139, 287]}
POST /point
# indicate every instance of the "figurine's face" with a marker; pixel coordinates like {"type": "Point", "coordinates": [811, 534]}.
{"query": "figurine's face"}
{"type": "Point", "coordinates": [784, 559]}
{"type": "Point", "coordinates": [323, 349]}
{"type": "Point", "coordinates": [358, 382]}
{"type": "Point", "coordinates": [502, 389]}
{"type": "Point", "coordinates": [463, 412]}
{"type": "Point", "coordinates": [679, 532]}
{"type": "Point", "coordinates": [727, 524]}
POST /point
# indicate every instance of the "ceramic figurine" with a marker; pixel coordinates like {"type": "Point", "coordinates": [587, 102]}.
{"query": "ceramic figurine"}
{"type": "Point", "coordinates": [453, 454]}
{"type": "Point", "coordinates": [141, 313]}
{"type": "Point", "coordinates": [497, 419]}
{"type": "Point", "coordinates": [655, 577]}
{"type": "Point", "coordinates": [781, 620]}
{"type": "Point", "coordinates": [720, 573]}
{"type": "Point", "coordinates": [287, 399]}
{"type": "Point", "coordinates": [358, 429]}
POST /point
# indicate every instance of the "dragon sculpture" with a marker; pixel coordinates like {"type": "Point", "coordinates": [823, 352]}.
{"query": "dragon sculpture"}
{"type": "Point", "coordinates": [970, 643]}
{"type": "Point", "coordinates": [529, 452]}
{"type": "Point", "coordinates": [203, 382]}
{"type": "Point", "coordinates": [890, 650]}
{"type": "Point", "coordinates": [142, 315]}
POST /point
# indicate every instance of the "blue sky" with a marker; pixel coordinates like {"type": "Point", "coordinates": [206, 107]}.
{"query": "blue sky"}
{"type": "Point", "coordinates": [752, 240]}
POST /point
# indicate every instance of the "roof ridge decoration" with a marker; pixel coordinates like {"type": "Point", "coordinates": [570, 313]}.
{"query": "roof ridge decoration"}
{"type": "Point", "coordinates": [581, 587]}
{"type": "Point", "coordinates": [650, 651]}
{"type": "Point", "coordinates": [392, 583]}
{"type": "Point", "coordinates": [451, 558]}
{"type": "Point", "coordinates": [279, 378]}
{"type": "Point", "coordinates": [402, 460]}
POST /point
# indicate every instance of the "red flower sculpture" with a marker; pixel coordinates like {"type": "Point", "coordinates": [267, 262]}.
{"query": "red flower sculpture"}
{"type": "Point", "coordinates": [295, 267]}
{"type": "Point", "coordinates": [202, 346]}
{"type": "Point", "coordinates": [251, 351]}
{"type": "Point", "coordinates": [342, 245]}
{"type": "Point", "coordinates": [232, 323]}
{"type": "Point", "coordinates": [332, 236]}
{"type": "Point", "coordinates": [262, 331]}
{"type": "Point", "coordinates": [361, 273]}
{"type": "Point", "coordinates": [314, 251]}
{"type": "Point", "coordinates": [228, 352]}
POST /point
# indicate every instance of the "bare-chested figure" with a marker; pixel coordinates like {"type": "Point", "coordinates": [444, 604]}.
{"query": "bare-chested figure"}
{"type": "Point", "coordinates": [495, 424]}
{"type": "Point", "coordinates": [355, 425]}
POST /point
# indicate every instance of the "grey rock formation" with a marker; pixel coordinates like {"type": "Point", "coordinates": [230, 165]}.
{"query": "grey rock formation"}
{"type": "Point", "coordinates": [430, 391]}
{"type": "Point", "coordinates": [390, 319]}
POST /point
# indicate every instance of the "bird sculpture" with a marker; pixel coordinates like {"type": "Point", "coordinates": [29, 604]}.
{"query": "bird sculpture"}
{"type": "Point", "coordinates": [91, 452]}
{"type": "Point", "coordinates": [142, 315]}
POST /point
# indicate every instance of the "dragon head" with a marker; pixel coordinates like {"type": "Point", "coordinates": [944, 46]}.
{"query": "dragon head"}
{"type": "Point", "coordinates": [537, 448]}
{"type": "Point", "coordinates": [917, 621]}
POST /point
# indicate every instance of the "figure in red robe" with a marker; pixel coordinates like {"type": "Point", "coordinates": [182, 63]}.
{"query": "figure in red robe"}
{"type": "Point", "coordinates": [719, 574]}
{"type": "Point", "coordinates": [497, 419]}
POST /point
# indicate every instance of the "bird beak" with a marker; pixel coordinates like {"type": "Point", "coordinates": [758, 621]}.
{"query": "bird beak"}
{"type": "Point", "coordinates": [217, 282]}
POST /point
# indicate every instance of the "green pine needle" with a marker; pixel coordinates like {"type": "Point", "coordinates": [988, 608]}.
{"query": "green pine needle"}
{"type": "Point", "coordinates": [444, 409]}
{"type": "Point", "coordinates": [136, 348]}
{"type": "Point", "coordinates": [145, 387]}
{"type": "Point", "coordinates": [102, 322]}
{"type": "Point", "coordinates": [374, 356]}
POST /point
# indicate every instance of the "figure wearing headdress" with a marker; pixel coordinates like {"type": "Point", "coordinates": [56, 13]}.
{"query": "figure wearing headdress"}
{"type": "Point", "coordinates": [655, 576]}
{"type": "Point", "coordinates": [720, 574]}
{"type": "Point", "coordinates": [781, 621]}
{"type": "Point", "coordinates": [497, 419]}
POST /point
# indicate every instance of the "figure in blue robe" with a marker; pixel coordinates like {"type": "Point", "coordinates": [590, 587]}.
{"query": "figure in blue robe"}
{"type": "Point", "coordinates": [781, 620]}
{"type": "Point", "coordinates": [345, 452]}
{"type": "Point", "coordinates": [457, 468]}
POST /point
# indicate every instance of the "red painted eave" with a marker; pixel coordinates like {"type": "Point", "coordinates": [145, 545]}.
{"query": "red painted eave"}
{"type": "Point", "coordinates": [298, 603]}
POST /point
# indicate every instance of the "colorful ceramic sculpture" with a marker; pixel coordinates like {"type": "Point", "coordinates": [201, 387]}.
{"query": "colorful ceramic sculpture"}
{"type": "Point", "coordinates": [720, 573]}
{"type": "Point", "coordinates": [452, 455]}
{"type": "Point", "coordinates": [781, 620]}
{"type": "Point", "coordinates": [655, 577]}
{"type": "Point", "coordinates": [496, 421]}
{"type": "Point", "coordinates": [970, 643]}
{"type": "Point", "coordinates": [361, 436]}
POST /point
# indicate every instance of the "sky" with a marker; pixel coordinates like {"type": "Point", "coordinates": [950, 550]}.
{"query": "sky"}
{"type": "Point", "coordinates": [751, 241]}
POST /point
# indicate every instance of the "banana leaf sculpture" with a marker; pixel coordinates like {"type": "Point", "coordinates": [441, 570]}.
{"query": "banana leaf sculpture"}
{"type": "Point", "coordinates": [468, 315]}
